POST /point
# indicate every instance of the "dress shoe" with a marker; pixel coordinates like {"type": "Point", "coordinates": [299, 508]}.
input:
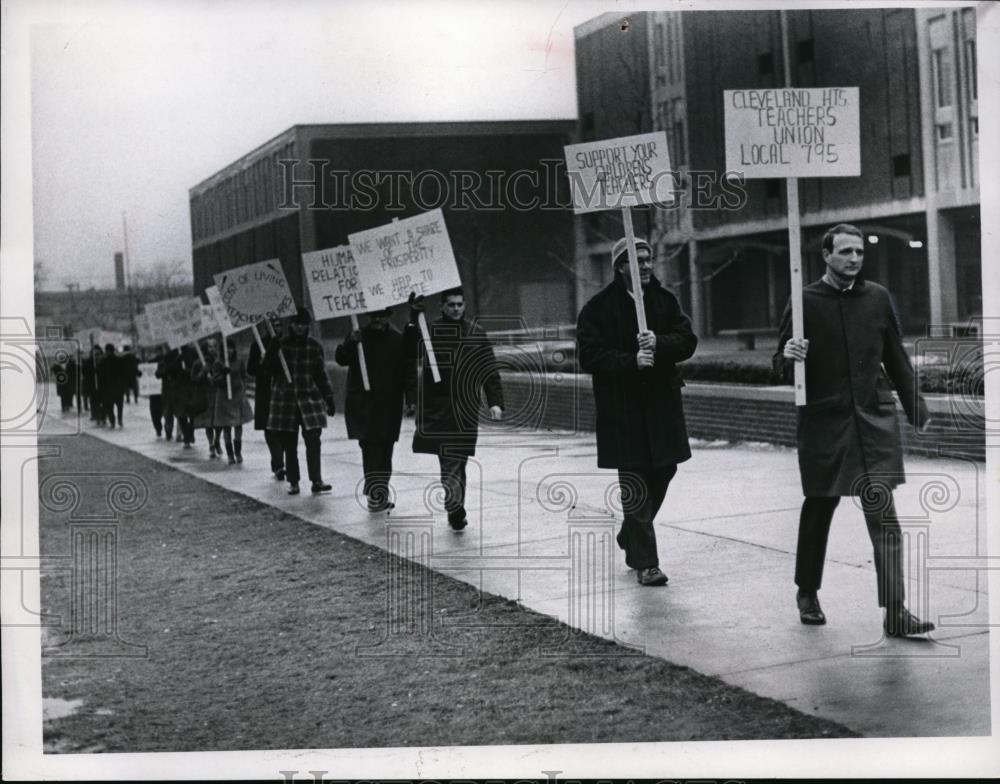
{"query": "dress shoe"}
{"type": "Point", "coordinates": [651, 576]}
{"type": "Point", "coordinates": [293, 488]}
{"type": "Point", "coordinates": [321, 487]}
{"type": "Point", "coordinates": [280, 474]}
{"type": "Point", "coordinates": [810, 613]}
{"type": "Point", "coordinates": [902, 623]}
{"type": "Point", "coordinates": [458, 523]}
{"type": "Point", "coordinates": [380, 506]}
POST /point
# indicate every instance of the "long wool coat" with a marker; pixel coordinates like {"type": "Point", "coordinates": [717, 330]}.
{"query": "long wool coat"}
{"type": "Point", "coordinates": [640, 417]}
{"type": "Point", "coordinates": [226, 411]}
{"type": "Point", "coordinates": [848, 430]}
{"type": "Point", "coordinates": [262, 387]}
{"type": "Point", "coordinates": [448, 411]}
{"type": "Point", "coordinates": [376, 414]}
{"type": "Point", "coordinates": [309, 392]}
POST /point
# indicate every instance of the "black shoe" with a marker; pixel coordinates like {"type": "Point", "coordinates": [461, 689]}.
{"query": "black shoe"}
{"type": "Point", "coordinates": [293, 488]}
{"type": "Point", "coordinates": [321, 487]}
{"type": "Point", "coordinates": [458, 523]}
{"type": "Point", "coordinates": [380, 506]}
{"type": "Point", "coordinates": [651, 576]}
{"type": "Point", "coordinates": [280, 474]}
{"type": "Point", "coordinates": [810, 613]}
{"type": "Point", "coordinates": [903, 623]}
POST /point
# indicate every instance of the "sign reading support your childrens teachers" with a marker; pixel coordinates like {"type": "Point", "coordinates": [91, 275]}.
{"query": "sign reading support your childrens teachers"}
{"type": "Point", "coordinates": [622, 172]}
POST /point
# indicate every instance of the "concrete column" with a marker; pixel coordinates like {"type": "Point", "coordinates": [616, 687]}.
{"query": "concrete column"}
{"type": "Point", "coordinates": [697, 302]}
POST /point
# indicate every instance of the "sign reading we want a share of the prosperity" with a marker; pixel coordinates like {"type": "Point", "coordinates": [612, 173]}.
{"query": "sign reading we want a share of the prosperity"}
{"type": "Point", "coordinates": [793, 132]}
{"type": "Point", "coordinates": [623, 172]}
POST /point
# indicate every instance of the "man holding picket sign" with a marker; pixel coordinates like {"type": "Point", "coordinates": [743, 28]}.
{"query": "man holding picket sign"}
{"type": "Point", "coordinates": [630, 336]}
{"type": "Point", "coordinates": [403, 261]}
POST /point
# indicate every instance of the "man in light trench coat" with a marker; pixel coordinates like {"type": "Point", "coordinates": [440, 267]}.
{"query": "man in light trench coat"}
{"type": "Point", "coordinates": [848, 433]}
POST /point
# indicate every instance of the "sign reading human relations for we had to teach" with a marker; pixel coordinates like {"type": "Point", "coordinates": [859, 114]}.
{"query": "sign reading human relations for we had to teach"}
{"type": "Point", "coordinates": [623, 172]}
{"type": "Point", "coordinates": [412, 255]}
{"type": "Point", "coordinates": [255, 292]}
{"type": "Point", "coordinates": [793, 132]}
{"type": "Point", "coordinates": [334, 285]}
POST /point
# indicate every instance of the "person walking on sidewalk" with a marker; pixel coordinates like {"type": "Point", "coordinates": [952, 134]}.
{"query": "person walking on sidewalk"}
{"type": "Point", "coordinates": [448, 411]}
{"type": "Point", "coordinates": [88, 372]}
{"type": "Point", "coordinates": [204, 395]}
{"type": "Point", "coordinates": [303, 403]}
{"type": "Point", "coordinates": [262, 403]}
{"type": "Point", "coordinates": [232, 411]}
{"type": "Point", "coordinates": [111, 380]}
{"type": "Point", "coordinates": [176, 373]}
{"type": "Point", "coordinates": [637, 395]}
{"type": "Point", "coordinates": [374, 416]}
{"type": "Point", "coordinates": [848, 433]}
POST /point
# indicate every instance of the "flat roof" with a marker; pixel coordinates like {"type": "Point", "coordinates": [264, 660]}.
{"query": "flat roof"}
{"type": "Point", "coordinates": [387, 130]}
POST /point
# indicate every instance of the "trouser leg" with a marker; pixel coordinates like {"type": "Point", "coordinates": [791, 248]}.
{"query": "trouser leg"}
{"type": "Point", "coordinates": [886, 537]}
{"type": "Point", "coordinates": [376, 459]}
{"type": "Point", "coordinates": [290, 448]}
{"type": "Point", "coordinates": [156, 413]}
{"type": "Point", "coordinates": [238, 442]}
{"type": "Point", "coordinates": [814, 530]}
{"type": "Point", "coordinates": [118, 403]}
{"type": "Point", "coordinates": [313, 464]}
{"type": "Point", "coordinates": [168, 417]}
{"type": "Point", "coordinates": [453, 480]}
{"type": "Point", "coordinates": [273, 440]}
{"type": "Point", "coordinates": [227, 435]}
{"type": "Point", "coordinates": [642, 493]}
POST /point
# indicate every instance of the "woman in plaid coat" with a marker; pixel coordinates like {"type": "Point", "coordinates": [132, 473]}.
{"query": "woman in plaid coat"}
{"type": "Point", "coordinates": [304, 403]}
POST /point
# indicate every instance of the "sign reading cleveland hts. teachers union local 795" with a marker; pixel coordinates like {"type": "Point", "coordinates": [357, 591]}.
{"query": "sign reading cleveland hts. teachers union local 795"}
{"type": "Point", "coordinates": [623, 172]}
{"type": "Point", "coordinates": [793, 132]}
{"type": "Point", "coordinates": [409, 255]}
{"type": "Point", "coordinates": [254, 292]}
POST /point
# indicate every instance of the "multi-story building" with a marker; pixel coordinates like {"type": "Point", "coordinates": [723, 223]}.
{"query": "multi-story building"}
{"type": "Point", "coordinates": [313, 185]}
{"type": "Point", "coordinates": [917, 197]}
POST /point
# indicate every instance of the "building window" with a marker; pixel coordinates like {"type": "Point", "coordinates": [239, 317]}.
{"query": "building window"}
{"type": "Point", "coordinates": [941, 77]}
{"type": "Point", "coordinates": [901, 165]}
{"type": "Point", "coordinates": [944, 132]}
{"type": "Point", "coordinates": [974, 127]}
{"type": "Point", "coordinates": [970, 69]}
{"type": "Point", "coordinates": [765, 64]}
{"type": "Point", "coordinates": [772, 189]}
{"type": "Point", "coordinates": [587, 121]}
{"type": "Point", "coordinates": [806, 51]}
{"type": "Point", "coordinates": [679, 153]}
{"type": "Point", "coordinates": [659, 46]}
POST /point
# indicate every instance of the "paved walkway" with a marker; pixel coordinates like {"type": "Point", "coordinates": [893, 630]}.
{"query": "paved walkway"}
{"type": "Point", "coordinates": [541, 533]}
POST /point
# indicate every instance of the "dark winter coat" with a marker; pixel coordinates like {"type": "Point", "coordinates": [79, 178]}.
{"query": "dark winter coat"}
{"type": "Point", "coordinates": [848, 430]}
{"type": "Point", "coordinates": [111, 376]}
{"type": "Point", "coordinates": [235, 410]}
{"type": "Point", "coordinates": [376, 415]}
{"type": "Point", "coordinates": [448, 411]}
{"type": "Point", "coordinates": [262, 387]}
{"type": "Point", "coordinates": [176, 374]}
{"type": "Point", "coordinates": [640, 418]}
{"type": "Point", "coordinates": [65, 375]}
{"type": "Point", "coordinates": [87, 375]}
{"type": "Point", "coordinates": [309, 392]}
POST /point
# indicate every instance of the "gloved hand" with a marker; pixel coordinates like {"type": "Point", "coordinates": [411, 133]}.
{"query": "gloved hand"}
{"type": "Point", "coordinates": [416, 306]}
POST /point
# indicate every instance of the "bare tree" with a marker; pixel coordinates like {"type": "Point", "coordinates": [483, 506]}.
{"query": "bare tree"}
{"type": "Point", "coordinates": [41, 275]}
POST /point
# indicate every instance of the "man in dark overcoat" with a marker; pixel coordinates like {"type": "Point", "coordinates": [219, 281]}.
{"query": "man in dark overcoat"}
{"type": "Point", "coordinates": [88, 372]}
{"type": "Point", "coordinates": [448, 410]}
{"type": "Point", "coordinates": [302, 403]}
{"type": "Point", "coordinates": [111, 385]}
{"type": "Point", "coordinates": [848, 432]}
{"type": "Point", "coordinates": [262, 402]}
{"type": "Point", "coordinates": [374, 416]}
{"type": "Point", "coordinates": [637, 396]}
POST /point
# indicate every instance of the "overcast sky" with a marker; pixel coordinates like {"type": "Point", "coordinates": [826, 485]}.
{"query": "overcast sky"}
{"type": "Point", "coordinates": [133, 104]}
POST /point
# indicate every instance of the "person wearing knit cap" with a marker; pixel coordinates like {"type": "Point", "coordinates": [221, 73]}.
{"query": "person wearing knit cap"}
{"type": "Point", "coordinates": [637, 395]}
{"type": "Point", "coordinates": [302, 403]}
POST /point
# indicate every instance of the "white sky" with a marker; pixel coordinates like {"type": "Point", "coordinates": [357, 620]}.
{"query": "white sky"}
{"type": "Point", "coordinates": [133, 104]}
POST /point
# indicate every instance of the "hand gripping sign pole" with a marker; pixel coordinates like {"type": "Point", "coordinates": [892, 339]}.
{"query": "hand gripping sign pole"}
{"type": "Point", "coordinates": [425, 333]}
{"type": "Point", "coordinates": [633, 265]}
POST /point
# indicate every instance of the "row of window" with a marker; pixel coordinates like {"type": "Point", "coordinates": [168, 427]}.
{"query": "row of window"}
{"type": "Point", "coordinates": [244, 196]}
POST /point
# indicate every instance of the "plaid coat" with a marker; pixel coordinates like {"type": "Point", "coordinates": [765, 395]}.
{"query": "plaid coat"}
{"type": "Point", "coordinates": [309, 393]}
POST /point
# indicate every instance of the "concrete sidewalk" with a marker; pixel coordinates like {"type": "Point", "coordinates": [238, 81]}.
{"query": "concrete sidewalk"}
{"type": "Point", "coordinates": [542, 532]}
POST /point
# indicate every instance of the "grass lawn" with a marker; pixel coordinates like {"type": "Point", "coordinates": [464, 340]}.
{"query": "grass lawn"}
{"type": "Point", "coordinates": [253, 619]}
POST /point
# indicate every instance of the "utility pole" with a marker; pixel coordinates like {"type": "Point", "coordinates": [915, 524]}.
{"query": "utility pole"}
{"type": "Point", "coordinates": [128, 281]}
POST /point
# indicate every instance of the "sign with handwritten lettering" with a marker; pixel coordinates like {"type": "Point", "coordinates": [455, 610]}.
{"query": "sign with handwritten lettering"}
{"type": "Point", "coordinates": [219, 312]}
{"type": "Point", "coordinates": [179, 320]}
{"type": "Point", "coordinates": [254, 292]}
{"type": "Point", "coordinates": [149, 384]}
{"type": "Point", "coordinates": [622, 172]}
{"type": "Point", "coordinates": [409, 255]}
{"type": "Point", "coordinates": [793, 132]}
{"type": "Point", "coordinates": [333, 282]}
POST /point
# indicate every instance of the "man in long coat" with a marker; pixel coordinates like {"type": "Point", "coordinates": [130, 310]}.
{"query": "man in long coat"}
{"type": "Point", "coordinates": [637, 394]}
{"type": "Point", "coordinates": [448, 411]}
{"type": "Point", "coordinates": [374, 416]}
{"type": "Point", "coordinates": [302, 403]}
{"type": "Point", "coordinates": [262, 402]}
{"type": "Point", "coordinates": [848, 433]}
{"type": "Point", "coordinates": [111, 381]}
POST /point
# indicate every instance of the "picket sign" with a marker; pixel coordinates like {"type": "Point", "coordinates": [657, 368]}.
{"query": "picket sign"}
{"type": "Point", "coordinates": [622, 173]}
{"type": "Point", "coordinates": [409, 256]}
{"type": "Point", "coordinates": [225, 361]}
{"type": "Point", "coordinates": [256, 292]}
{"type": "Point", "coordinates": [335, 290]}
{"type": "Point", "coordinates": [790, 133]}
{"type": "Point", "coordinates": [149, 384]}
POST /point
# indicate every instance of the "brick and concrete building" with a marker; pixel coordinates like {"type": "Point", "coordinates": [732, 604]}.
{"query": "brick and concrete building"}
{"type": "Point", "coordinates": [311, 186]}
{"type": "Point", "coordinates": [917, 197]}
